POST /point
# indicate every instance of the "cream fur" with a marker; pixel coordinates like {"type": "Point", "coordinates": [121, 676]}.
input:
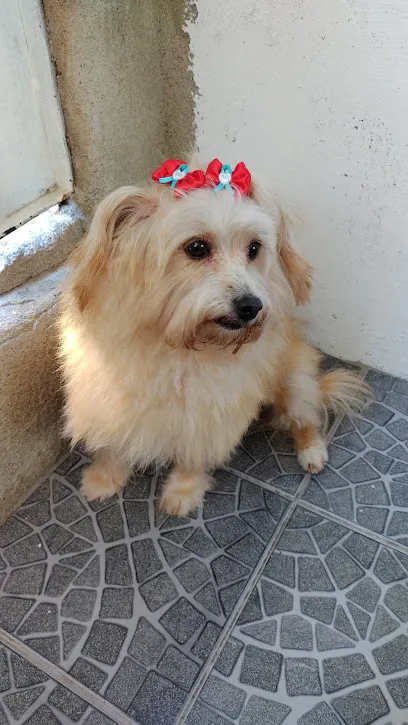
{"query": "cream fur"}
{"type": "Point", "coordinates": [149, 375]}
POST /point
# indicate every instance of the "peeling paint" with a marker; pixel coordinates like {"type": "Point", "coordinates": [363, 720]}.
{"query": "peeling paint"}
{"type": "Point", "coordinates": [179, 89]}
{"type": "Point", "coordinates": [191, 13]}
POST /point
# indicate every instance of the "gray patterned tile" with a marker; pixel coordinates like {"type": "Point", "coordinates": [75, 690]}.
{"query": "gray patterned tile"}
{"type": "Point", "coordinates": [117, 603]}
{"type": "Point", "coordinates": [158, 701]}
{"type": "Point", "coordinates": [258, 709]}
{"type": "Point", "coordinates": [362, 706]}
{"type": "Point", "coordinates": [13, 530]}
{"type": "Point", "coordinates": [302, 676]}
{"type": "Point", "coordinates": [398, 690]}
{"type": "Point", "coordinates": [122, 689]}
{"type": "Point", "coordinates": [132, 602]}
{"type": "Point", "coordinates": [69, 704]}
{"type": "Point", "coordinates": [261, 668]}
{"type": "Point", "coordinates": [124, 592]}
{"type": "Point", "coordinates": [366, 480]}
{"type": "Point", "coordinates": [330, 645]}
{"type": "Point", "coordinates": [182, 620]}
{"type": "Point", "coordinates": [27, 695]}
{"type": "Point", "coordinates": [178, 668]}
{"type": "Point", "coordinates": [267, 456]}
{"type": "Point", "coordinates": [296, 633]}
{"type": "Point", "coordinates": [202, 715]}
{"type": "Point", "coordinates": [225, 697]}
{"type": "Point", "coordinates": [345, 671]}
{"type": "Point", "coordinates": [105, 642]}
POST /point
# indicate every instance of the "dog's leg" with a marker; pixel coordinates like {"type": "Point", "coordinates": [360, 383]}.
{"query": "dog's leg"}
{"type": "Point", "coordinates": [298, 408]}
{"type": "Point", "coordinates": [105, 476]}
{"type": "Point", "coordinates": [184, 491]}
{"type": "Point", "coordinates": [310, 447]}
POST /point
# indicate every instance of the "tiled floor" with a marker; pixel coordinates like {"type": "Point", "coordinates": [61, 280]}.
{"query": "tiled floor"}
{"type": "Point", "coordinates": [284, 600]}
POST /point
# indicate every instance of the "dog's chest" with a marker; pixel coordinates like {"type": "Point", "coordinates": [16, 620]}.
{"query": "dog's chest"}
{"type": "Point", "coordinates": [205, 385]}
{"type": "Point", "coordinates": [194, 405]}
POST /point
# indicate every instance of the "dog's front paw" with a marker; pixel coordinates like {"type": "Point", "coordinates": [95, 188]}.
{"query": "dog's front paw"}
{"type": "Point", "coordinates": [314, 458]}
{"type": "Point", "coordinates": [102, 480]}
{"type": "Point", "coordinates": [184, 492]}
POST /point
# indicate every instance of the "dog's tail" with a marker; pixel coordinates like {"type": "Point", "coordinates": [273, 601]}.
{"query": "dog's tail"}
{"type": "Point", "coordinates": [344, 392]}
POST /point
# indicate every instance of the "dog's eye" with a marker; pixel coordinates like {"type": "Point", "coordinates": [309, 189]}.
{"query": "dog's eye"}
{"type": "Point", "coordinates": [198, 249]}
{"type": "Point", "coordinates": [253, 250]}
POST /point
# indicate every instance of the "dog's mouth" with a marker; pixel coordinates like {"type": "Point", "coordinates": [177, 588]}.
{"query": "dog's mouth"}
{"type": "Point", "coordinates": [234, 325]}
{"type": "Point", "coordinates": [230, 324]}
{"type": "Point", "coordinates": [226, 331]}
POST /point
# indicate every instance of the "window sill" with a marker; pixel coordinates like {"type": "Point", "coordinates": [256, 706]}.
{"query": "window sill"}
{"type": "Point", "coordinates": [39, 245]}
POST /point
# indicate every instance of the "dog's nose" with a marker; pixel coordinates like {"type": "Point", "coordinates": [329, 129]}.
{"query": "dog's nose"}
{"type": "Point", "coordinates": [247, 307]}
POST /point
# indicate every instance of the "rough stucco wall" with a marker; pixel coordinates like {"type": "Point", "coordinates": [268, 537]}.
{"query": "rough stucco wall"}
{"type": "Point", "coordinates": [126, 88]}
{"type": "Point", "coordinates": [30, 399]}
{"type": "Point", "coordinates": [313, 93]}
{"type": "Point", "coordinates": [39, 245]}
{"type": "Point", "coordinates": [108, 70]}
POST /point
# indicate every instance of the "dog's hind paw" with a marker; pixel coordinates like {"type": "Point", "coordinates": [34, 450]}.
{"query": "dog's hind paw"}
{"type": "Point", "coordinates": [184, 492]}
{"type": "Point", "coordinates": [313, 458]}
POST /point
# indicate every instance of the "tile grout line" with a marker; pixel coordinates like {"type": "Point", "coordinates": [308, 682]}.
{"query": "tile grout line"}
{"type": "Point", "coordinates": [357, 528]}
{"type": "Point", "coordinates": [65, 679]}
{"type": "Point", "coordinates": [234, 616]}
{"type": "Point", "coordinates": [324, 513]}
{"type": "Point", "coordinates": [266, 486]}
{"type": "Point", "coordinates": [269, 486]}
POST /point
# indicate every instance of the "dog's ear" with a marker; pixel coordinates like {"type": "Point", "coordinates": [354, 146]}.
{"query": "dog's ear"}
{"type": "Point", "coordinates": [125, 207]}
{"type": "Point", "coordinates": [296, 270]}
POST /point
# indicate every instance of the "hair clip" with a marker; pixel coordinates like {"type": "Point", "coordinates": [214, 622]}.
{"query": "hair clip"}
{"type": "Point", "coordinates": [177, 174]}
{"type": "Point", "coordinates": [221, 176]}
{"type": "Point", "coordinates": [218, 176]}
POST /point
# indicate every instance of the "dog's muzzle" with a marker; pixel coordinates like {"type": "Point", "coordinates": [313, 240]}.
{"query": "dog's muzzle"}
{"type": "Point", "coordinates": [245, 311]}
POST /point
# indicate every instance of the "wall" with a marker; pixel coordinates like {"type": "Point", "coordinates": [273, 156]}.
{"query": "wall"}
{"type": "Point", "coordinates": [179, 89]}
{"type": "Point", "coordinates": [30, 390]}
{"type": "Point", "coordinates": [314, 94]}
{"type": "Point", "coordinates": [122, 74]}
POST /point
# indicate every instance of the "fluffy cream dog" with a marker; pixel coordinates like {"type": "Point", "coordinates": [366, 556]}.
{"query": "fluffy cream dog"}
{"type": "Point", "coordinates": [177, 327]}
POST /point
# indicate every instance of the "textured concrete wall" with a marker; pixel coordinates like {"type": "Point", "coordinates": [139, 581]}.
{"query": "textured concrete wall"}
{"type": "Point", "coordinates": [313, 93]}
{"type": "Point", "coordinates": [39, 245]}
{"type": "Point", "coordinates": [126, 92]}
{"type": "Point", "coordinates": [30, 399]}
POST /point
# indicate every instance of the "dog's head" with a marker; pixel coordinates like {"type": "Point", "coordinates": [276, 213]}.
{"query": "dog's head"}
{"type": "Point", "coordinates": [203, 268]}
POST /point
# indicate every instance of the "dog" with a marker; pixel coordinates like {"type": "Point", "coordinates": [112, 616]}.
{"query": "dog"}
{"type": "Point", "coordinates": [178, 326]}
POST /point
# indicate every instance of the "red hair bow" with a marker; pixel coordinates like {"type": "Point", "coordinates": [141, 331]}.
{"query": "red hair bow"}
{"type": "Point", "coordinates": [218, 176]}
{"type": "Point", "coordinates": [176, 173]}
{"type": "Point", "coordinates": [223, 177]}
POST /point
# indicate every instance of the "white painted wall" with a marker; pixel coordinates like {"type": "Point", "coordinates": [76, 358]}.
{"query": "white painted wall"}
{"type": "Point", "coordinates": [314, 93]}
